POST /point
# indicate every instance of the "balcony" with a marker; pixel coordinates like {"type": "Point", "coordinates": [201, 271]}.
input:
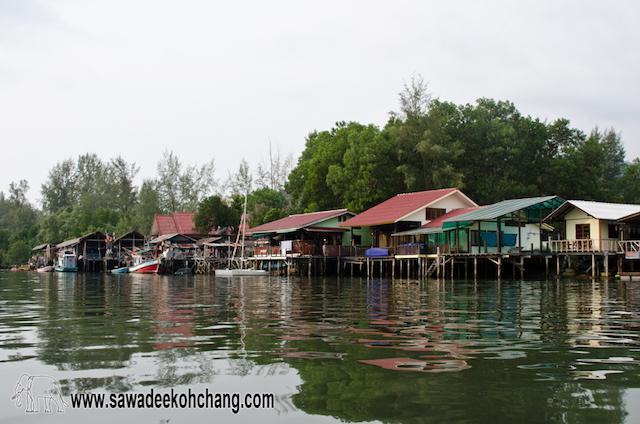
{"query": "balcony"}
{"type": "Point", "coordinates": [585, 246]}
{"type": "Point", "coordinates": [298, 248]}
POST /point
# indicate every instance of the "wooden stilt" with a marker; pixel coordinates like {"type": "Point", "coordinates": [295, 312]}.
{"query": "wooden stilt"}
{"type": "Point", "coordinates": [475, 268]}
{"type": "Point", "coordinates": [452, 265]}
{"type": "Point", "coordinates": [546, 260]}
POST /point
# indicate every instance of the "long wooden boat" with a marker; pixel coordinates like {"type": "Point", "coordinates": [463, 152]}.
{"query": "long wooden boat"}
{"type": "Point", "coordinates": [149, 266]}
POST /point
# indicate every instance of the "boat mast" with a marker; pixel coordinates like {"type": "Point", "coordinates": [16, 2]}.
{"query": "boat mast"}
{"type": "Point", "coordinates": [243, 223]}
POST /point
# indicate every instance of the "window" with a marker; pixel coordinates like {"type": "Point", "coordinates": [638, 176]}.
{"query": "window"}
{"type": "Point", "coordinates": [433, 213]}
{"type": "Point", "coordinates": [613, 231]}
{"type": "Point", "coordinates": [357, 240]}
{"type": "Point", "coordinates": [583, 231]}
{"type": "Point", "coordinates": [475, 238]}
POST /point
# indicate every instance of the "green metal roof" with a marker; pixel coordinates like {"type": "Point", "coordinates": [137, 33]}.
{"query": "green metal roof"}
{"type": "Point", "coordinates": [531, 206]}
{"type": "Point", "coordinates": [428, 230]}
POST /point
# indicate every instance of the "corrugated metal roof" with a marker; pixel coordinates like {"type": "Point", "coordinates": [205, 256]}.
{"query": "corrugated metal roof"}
{"type": "Point", "coordinates": [176, 238]}
{"type": "Point", "coordinates": [398, 207]}
{"type": "Point", "coordinates": [419, 230]}
{"type": "Point", "coordinates": [598, 210]}
{"type": "Point", "coordinates": [435, 226]}
{"type": "Point", "coordinates": [294, 222]}
{"type": "Point", "coordinates": [177, 222]}
{"type": "Point", "coordinates": [508, 206]}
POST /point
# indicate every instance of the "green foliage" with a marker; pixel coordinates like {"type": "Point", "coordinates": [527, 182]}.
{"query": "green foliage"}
{"type": "Point", "coordinates": [18, 253]}
{"type": "Point", "coordinates": [630, 182]}
{"type": "Point", "coordinates": [181, 190]}
{"type": "Point", "coordinates": [368, 173]}
{"type": "Point", "coordinates": [350, 166]}
{"type": "Point", "coordinates": [266, 205]}
{"type": "Point", "coordinates": [72, 222]}
{"type": "Point", "coordinates": [308, 180]}
{"type": "Point", "coordinates": [214, 212]}
{"type": "Point", "coordinates": [426, 150]}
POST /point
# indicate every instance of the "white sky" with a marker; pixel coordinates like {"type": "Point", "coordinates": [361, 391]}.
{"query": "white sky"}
{"type": "Point", "coordinates": [211, 79]}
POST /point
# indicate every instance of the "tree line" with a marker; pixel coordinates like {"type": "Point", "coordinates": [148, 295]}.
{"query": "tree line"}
{"type": "Point", "coordinates": [487, 149]}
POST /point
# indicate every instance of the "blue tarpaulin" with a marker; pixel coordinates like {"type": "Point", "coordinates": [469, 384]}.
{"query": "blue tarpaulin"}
{"type": "Point", "coordinates": [505, 239]}
{"type": "Point", "coordinates": [376, 252]}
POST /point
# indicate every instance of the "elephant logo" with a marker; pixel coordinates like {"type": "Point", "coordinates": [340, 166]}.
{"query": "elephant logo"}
{"type": "Point", "coordinates": [38, 387]}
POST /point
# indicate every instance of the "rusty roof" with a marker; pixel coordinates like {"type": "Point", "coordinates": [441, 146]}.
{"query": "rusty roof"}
{"type": "Point", "coordinates": [294, 222]}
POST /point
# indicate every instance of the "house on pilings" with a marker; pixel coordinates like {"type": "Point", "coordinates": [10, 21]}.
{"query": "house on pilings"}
{"type": "Point", "coordinates": [309, 234]}
{"type": "Point", "coordinates": [90, 250]}
{"type": "Point", "coordinates": [629, 246]}
{"type": "Point", "coordinates": [406, 212]}
{"type": "Point", "coordinates": [508, 231]}
{"type": "Point", "coordinates": [595, 236]}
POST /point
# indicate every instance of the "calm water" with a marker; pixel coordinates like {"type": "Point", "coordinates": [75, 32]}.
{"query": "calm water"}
{"type": "Point", "coordinates": [329, 350]}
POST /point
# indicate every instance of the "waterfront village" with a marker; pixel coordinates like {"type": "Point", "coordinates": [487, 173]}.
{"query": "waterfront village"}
{"type": "Point", "coordinates": [429, 234]}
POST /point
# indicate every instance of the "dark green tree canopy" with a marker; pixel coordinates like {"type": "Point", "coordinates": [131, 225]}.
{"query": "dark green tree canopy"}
{"type": "Point", "coordinates": [214, 212]}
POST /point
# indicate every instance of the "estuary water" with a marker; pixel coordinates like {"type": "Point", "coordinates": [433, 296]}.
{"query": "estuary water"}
{"type": "Point", "coordinates": [322, 350]}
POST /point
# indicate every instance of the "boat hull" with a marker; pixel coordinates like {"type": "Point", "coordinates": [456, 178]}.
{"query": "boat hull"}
{"type": "Point", "coordinates": [22, 268]}
{"type": "Point", "coordinates": [66, 269]}
{"type": "Point", "coordinates": [123, 270]}
{"type": "Point", "coordinates": [149, 267]}
{"type": "Point", "coordinates": [49, 268]}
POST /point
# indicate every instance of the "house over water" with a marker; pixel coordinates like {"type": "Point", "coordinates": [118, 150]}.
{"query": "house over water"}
{"type": "Point", "coordinates": [406, 212]}
{"type": "Point", "coordinates": [90, 250]}
{"type": "Point", "coordinates": [307, 234]}
{"type": "Point", "coordinates": [598, 231]}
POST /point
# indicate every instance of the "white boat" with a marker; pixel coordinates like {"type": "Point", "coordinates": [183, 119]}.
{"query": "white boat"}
{"type": "Point", "coordinates": [67, 262]}
{"type": "Point", "coordinates": [244, 272]}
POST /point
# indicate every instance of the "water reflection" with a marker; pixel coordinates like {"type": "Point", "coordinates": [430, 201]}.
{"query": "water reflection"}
{"type": "Point", "coordinates": [397, 351]}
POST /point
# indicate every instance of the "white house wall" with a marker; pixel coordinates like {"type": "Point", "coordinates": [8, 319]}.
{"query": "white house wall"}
{"type": "Point", "coordinates": [577, 217]}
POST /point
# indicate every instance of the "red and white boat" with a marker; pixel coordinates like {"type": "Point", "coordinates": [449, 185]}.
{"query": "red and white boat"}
{"type": "Point", "coordinates": [146, 265]}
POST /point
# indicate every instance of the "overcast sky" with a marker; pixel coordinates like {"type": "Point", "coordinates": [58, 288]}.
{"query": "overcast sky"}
{"type": "Point", "coordinates": [210, 79]}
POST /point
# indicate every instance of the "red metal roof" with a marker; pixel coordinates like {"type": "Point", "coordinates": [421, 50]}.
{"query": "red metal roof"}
{"type": "Point", "coordinates": [438, 221]}
{"type": "Point", "coordinates": [298, 221]}
{"type": "Point", "coordinates": [392, 210]}
{"type": "Point", "coordinates": [176, 223]}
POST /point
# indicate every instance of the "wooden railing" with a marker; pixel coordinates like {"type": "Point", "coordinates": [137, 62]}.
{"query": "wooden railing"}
{"type": "Point", "coordinates": [412, 249]}
{"type": "Point", "coordinates": [628, 246]}
{"type": "Point", "coordinates": [299, 247]}
{"type": "Point", "coordinates": [343, 251]}
{"type": "Point", "coordinates": [266, 251]}
{"type": "Point", "coordinates": [584, 245]}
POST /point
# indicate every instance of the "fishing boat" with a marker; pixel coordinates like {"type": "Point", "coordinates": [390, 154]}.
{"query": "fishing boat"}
{"type": "Point", "coordinates": [242, 271]}
{"type": "Point", "coordinates": [67, 262]}
{"type": "Point", "coordinates": [145, 265]}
